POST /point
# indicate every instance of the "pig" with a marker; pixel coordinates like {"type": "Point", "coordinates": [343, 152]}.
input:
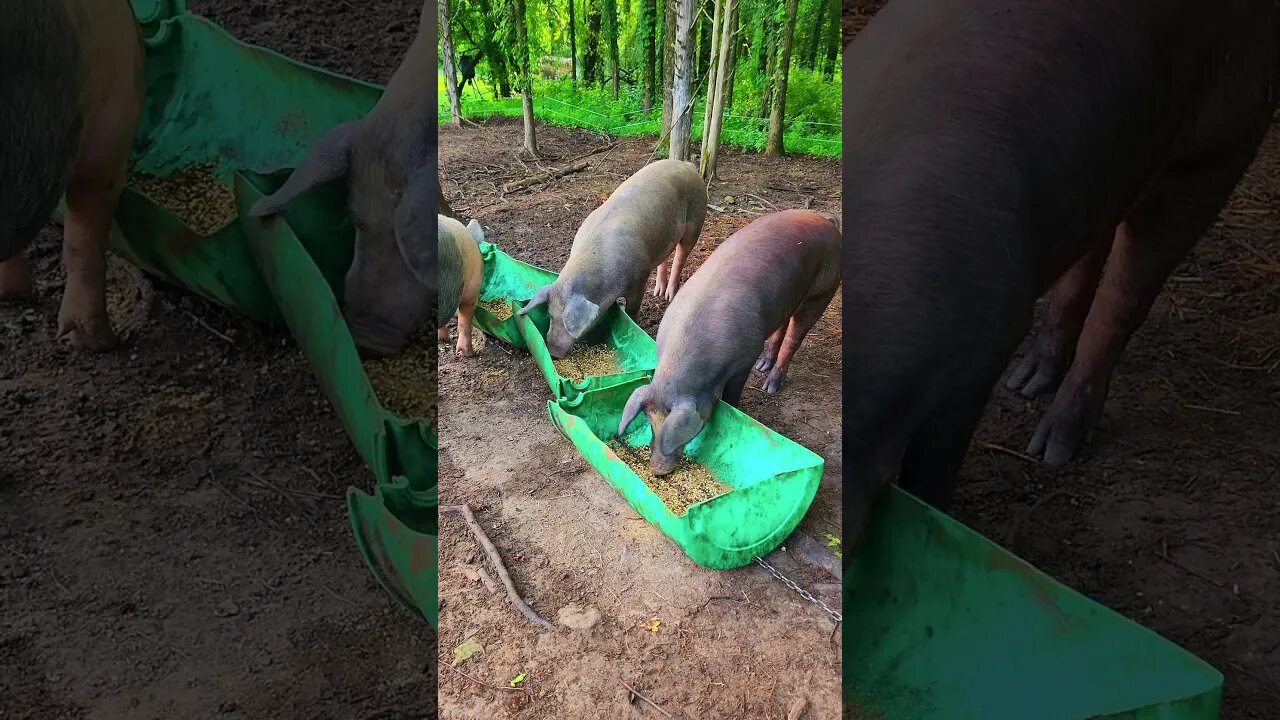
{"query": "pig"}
{"type": "Point", "coordinates": [654, 214]}
{"type": "Point", "coordinates": [995, 149]}
{"type": "Point", "coordinates": [388, 160]}
{"type": "Point", "coordinates": [461, 274]}
{"type": "Point", "coordinates": [767, 284]}
{"type": "Point", "coordinates": [71, 93]}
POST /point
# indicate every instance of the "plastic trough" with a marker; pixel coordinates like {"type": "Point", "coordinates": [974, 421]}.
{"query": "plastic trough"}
{"type": "Point", "coordinates": [774, 479]}
{"type": "Point", "coordinates": [942, 624]}
{"type": "Point", "coordinates": [217, 102]}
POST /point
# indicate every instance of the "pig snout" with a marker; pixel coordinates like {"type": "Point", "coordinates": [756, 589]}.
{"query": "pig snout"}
{"type": "Point", "coordinates": [661, 463]}
{"type": "Point", "coordinates": [558, 340]}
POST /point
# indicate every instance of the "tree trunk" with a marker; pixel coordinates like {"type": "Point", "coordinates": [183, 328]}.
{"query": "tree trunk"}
{"type": "Point", "coordinates": [573, 47]}
{"type": "Point", "coordinates": [444, 208]}
{"type": "Point", "coordinates": [774, 145]}
{"type": "Point", "coordinates": [668, 62]}
{"type": "Point", "coordinates": [648, 12]}
{"type": "Point", "coordinates": [770, 60]}
{"type": "Point", "coordinates": [736, 21]}
{"type": "Point", "coordinates": [682, 92]}
{"type": "Point", "coordinates": [526, 77]}
{"type": "Point", "coordinates": [611, 35]}
{"type": "Point", "coordinates": [711, 78]}
{"type": "Point", "coordinates": [704, 38]}
{"type": "Point", "coordinates": [833, 41]}
{"type": "Point", "coordinates": [450, 75]}
{"type": "Point", "coordinates": [591, 53]}
{"type": "Point", "coordinates": [818, 38]}
{"type": "Point", "coordinates": [711, 140]}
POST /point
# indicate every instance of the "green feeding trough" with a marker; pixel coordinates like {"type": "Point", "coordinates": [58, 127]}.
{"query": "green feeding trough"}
{"type": "Point", "coordinates": [942, 624]}
{"type": "Point", "coordinates": [773, 479]}
{"type": "Point", "coordinates": [509, 284]}
{"type": "Point", "coordinates": [242, 116]}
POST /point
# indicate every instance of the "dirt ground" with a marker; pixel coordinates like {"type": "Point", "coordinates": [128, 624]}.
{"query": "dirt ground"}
{"type": "Point", "coordinates": [1172, 514]}
{"type": "Point", "coordinates": [175, 537]}
{"type": "Point", "coordinates": [730, 644]}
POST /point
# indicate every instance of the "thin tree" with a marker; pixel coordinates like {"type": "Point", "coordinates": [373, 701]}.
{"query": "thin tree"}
{"type": "Point", "coordinates": [648, 9]}
{"type": "Point", "coordinates": [773, 147]}
{"type": "Point", "coordinates": [818, 38]}
{"type": "Point", "coordinates": [713, 66]}
{"type": "Point", "coordinates": [591, 50]}
{"type": "Point", "coordinates": [711, 140]}
{"type": "Point", "coordinates": [668, 62]}
{"type": "Point", "coordinates": [450, 79]}
{"type": "Point", "coordinates": [833, 41]}
{"type": "Point", "coordinates": [768, 56]}
{"type": "Point", "coordinates": [611, 36]}
{"type": "Point", "coordinates": [526, 77]}
{"type": "Point", "coordinates": [682, 92]}
{"type": "Point", "coordinates": [573, 47]}
{"type": "Point", "coordinates": [736, 20]}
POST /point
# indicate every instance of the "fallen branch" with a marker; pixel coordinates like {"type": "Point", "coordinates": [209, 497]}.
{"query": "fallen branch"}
{"type": "Point", "coordinates": [465, 511]}
{"type": "Point", "coordinates": [652, 704]}
{"type": "Point", "coordinates": [797, 708]}
{"type": "Point", "coordinates": [543, 177]}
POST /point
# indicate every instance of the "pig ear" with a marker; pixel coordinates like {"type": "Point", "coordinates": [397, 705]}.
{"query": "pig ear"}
{"type": "Point", "coordinates": [579, 314]}
{"type": "Point", "coordinates": [539, 298]}
{"type": "Point", "coordinates": [327, 160]}
{"type": "Point", "coordinates": [476, 231]}
{"type": "Point", "coordinates": [417, 240]}
{"type": "Point", "coordinates": [634, 404]}
{"type": "Point", "coordinates": [681, 426]}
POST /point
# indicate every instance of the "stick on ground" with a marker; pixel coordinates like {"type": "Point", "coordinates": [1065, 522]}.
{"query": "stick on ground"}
{"type": "Point", "coordinates": [496, 559]}
{"type": "Point", "coordinates": [652, 704]}
{"type": "Point", "coordinates": [542, 177]}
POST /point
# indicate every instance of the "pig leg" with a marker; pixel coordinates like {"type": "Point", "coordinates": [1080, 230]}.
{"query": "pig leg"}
{"type": "Point", "coordinates": [733, 389]}
{"type": "Point", "coordinates": [660, 281]}
{"type": "Point", "coordinates": [15, 279]}
{"type": "Point", "coordinates": [82, 318]}
{"type": "Point", "coordinates": [931, 465]}
{"type": "Point", "coordinates": [678, 258]}
{"type": "Point", "coordinates": [771, 347]}
{"type": "Point", "coordinates": [442, 333]}
{"type": "Point", "coordinates": [1158, 234]}
{"type": "Point", "coordinates": [805, 317]}
{"type": "Point", "coordinates": [1050, 353]}
{"type": "Point", "coordinates": [466, 311]}
{"type": "Point", "coordinates": [632, 302]}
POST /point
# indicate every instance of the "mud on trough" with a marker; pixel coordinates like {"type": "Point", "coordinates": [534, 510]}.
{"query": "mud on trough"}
{"type": "Point", "coordinates": [176, 543]}
{"type": "Point", "coordinates": [702, 642]}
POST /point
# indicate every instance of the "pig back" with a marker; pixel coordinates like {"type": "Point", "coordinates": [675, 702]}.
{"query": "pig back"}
{"type": "Point", "coordinates": [640, 223]}
{"type": "Point", "coordinates": [40, 116]}
{"type": "Point", "coordinates": [756, 278]}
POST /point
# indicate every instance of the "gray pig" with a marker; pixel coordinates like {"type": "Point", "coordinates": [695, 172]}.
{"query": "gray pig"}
{"type": "Point", "coordinates": [389, 161]}
{"type": "Point", "coordinates": [654, 214]}
{"type": "Point", "coordinates": [766, 284]}
{"type": "Point", "coordinates": [71, 90]}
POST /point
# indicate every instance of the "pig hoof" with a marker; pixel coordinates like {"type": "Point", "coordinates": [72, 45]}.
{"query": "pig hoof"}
{"type": "Point", "coordinates": [91, 335]}
{"type": "Point", "coordinates": [772, 384]}
{"type": "Point", "coordinates": [442, 334]}
{"type": "Point", "coordinates": [1037, 373]}
{"type": "Point", "coordinates": [1063, 429]}
{"type": "Point", "coordinates": [765, 363]}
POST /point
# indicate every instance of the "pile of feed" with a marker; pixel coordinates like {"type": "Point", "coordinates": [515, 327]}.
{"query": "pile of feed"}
{"type": "Point", "coordinates": [690, 483]}
{"type": "Point", "coordinates": [584, 361]}
{"type": "Point", "coordinates": [500, 308]}
{"type": "Point", "coordinates": [407, 384]}
{"type": "Point", "coordinates": [193, 195]}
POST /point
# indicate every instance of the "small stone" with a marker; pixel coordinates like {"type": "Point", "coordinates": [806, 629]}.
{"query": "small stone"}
{"type": "Point", "coordinates": [579, 618]}
{"type": "Point", "coordinates": [226, 608]}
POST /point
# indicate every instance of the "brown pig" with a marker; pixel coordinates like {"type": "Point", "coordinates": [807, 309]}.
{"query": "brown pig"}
{"type": "Point", "coordinates": [71, 90]}
{"type": "Point", "coordinates": [461, 275]}
{"type": "Point", "coordinates": [388, 159]}
{"type": "Point", "coordinates": [654, 214]}
{"type": "Point", "coordinates": [767, 284]}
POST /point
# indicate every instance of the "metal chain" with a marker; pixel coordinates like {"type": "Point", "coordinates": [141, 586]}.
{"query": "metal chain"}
{"type": "Point", "coordinates": [837, 617]}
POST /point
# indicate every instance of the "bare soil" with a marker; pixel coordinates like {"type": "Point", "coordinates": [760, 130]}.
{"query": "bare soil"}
{"type": "Point", "coordinates": [175, 538]}
{"type": "Point", "coordinates": [1171, 516]}
{"type": "Point", "coordinates": [727, 644]}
